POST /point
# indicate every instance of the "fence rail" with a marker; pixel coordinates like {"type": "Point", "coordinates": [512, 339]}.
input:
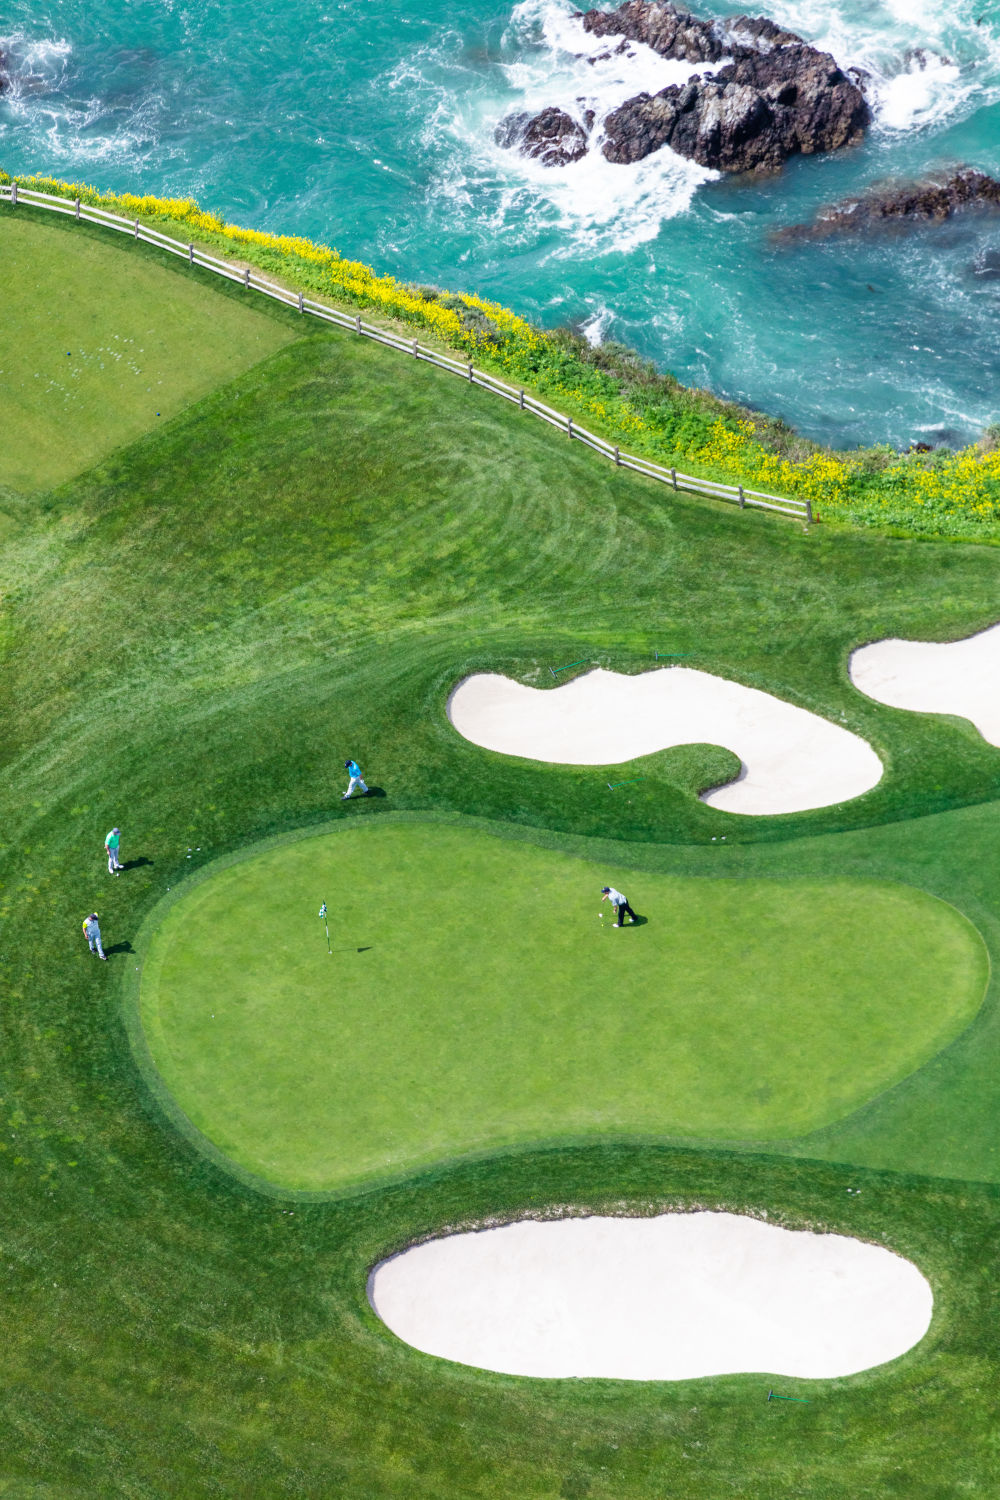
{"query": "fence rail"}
{"type": "Point", "coordinates": [255, 282]}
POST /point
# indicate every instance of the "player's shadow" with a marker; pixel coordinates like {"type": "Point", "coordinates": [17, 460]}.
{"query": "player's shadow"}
{"type": "Point", "coordinates": [377, 791]}
{"type": "Point", "coordinates": [125, 947]}
{"type": "Point", "coordinates": [136, 864]}
{"type": "Point", "coordinates": [636, 922]}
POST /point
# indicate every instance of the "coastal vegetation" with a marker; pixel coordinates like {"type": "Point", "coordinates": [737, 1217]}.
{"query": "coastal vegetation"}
{"type": "Point", "coordinates": [941, 493]}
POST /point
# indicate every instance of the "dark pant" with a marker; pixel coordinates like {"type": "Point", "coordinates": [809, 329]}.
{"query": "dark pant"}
{"type": "Point", "coordinates": [624, 911]}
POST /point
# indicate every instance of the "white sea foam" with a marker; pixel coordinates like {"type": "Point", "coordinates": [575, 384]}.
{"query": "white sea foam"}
{"type": "Point", "coordinates": [34, 65]}
{"type": "Point", "coordinates": [558, 63]}
{"type": "Point", "coordinates": [927, 61]}
{"type": "Point", "coordinates": [589, 207]}
{"type": "Point", "coordinates": [924, 63]}
{"type": "Point", "coordinates": [596, 326]}
{"type": "Point", "coordinates": [920, 95]}
{"type": "Point", "coordinates": [67, 125]}
{"type": "Point", "coordinates": [555, 59]}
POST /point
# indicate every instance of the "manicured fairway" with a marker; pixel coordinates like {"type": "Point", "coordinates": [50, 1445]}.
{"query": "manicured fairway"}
{"type": "Point", "coordinates": [90, 359]}
{"type": "Point", "coordinates": [476, 998]}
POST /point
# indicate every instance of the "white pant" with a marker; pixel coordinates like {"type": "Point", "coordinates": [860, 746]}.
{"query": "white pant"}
{"type": "Point", "coordinates": [95, 945]}
{"type": "Point", "coordinates": [113, 861]}
{"type": "Point", "coordinates": [355, 781]}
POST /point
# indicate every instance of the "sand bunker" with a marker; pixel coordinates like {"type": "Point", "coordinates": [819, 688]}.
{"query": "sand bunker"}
{"type": "Point", "coordinates": [931, 677]}
{"type": "Point", "coordinates": [671, 1298]}
{"type": "Point", "coordinates": [792, 759]}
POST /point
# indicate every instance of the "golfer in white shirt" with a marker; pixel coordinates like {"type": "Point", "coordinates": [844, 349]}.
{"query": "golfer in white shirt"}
{"type": "Point", "coordinates": [620, 904]}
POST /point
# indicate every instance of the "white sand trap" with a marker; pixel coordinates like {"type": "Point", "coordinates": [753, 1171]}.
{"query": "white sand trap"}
{"type": "Point", "coordinates": [792, 759]}
{"type": "Point", "coordinates": [671, 1298]}
{"type": "Point", "coordinates": [932, 677]}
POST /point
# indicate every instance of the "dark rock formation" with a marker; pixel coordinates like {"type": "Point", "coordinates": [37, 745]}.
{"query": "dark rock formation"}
{"type": "Point", "coordinates": [899, 206]}
{"type": "Point", "coordinates": [777, 97]}
{"type": "Point", "coordinates": [553, 137]}
{"type": "Point", "coordinates": [669, 32]}
{"type": "Point", "coordinates": [674, 33]}
{"type": "Point", "coordinates": [758, 33]}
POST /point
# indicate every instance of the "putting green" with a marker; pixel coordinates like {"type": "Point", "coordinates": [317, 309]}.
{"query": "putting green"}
{"type": "Point", "coordinates": [476, 1000]}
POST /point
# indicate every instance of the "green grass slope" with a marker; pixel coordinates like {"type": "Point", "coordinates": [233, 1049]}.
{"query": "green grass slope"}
{"type": "Point", "coordinates": [479, 999]}
{"type": "Point", "coordinates": [193, 637]}
{"type": "Point", "coordinates": [90, 359]}
{"type": "Point", "coordinates": [339, 516]}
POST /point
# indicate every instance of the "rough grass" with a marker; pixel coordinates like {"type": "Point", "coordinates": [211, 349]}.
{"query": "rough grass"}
{"type": "Point", "coordinates": [90, 359]}
{"type": "Point", "coordinates": [193, 638]}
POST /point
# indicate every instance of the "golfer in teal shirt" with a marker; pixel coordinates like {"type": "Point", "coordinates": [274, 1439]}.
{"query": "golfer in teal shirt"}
{"type": "Point", "coordinates": [354, 772]}
{"type": "Point", "coordinates": [111, 844]}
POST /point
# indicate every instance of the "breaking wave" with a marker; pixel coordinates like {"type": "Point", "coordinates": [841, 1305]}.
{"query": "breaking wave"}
{"type": "Point", "coordinates": [921, 64]}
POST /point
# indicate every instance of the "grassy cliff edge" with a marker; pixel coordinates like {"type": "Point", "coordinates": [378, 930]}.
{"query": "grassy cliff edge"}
{"type": "Point", "coordinates": [941, 494]}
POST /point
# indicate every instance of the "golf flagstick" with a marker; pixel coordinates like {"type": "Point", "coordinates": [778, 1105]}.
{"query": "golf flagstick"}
{"type": "Point", "coordinates": [326, 924]}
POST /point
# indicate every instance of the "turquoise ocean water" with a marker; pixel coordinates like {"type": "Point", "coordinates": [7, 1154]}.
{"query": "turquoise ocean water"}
{"type": "Point", "coordinates": [370, 126]}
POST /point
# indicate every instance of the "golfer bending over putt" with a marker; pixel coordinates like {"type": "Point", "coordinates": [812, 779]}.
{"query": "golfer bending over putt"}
{"type": "Point", "coordinates": [92, 932]}
{"type": "Point", "coordinates": [620, 904]}
{"type": "Point", "coordinates": [354, 772]}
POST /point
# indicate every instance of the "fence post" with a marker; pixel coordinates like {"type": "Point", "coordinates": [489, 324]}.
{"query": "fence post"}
{"type": "Point", "coordinates": [357, 322]}
{"type": "Point", "coordinates": [673, 476]}
{"type": "Point", "coordinates": [136, 227]}
{"type": "Point", "coordinates": [470, 371]}
{"type": "Point", "coordinates": [809, 512]}
{"type": "Point", "coordinates": [521, 401]}
{"type": "Point", "coordinates": [618, 459]}
{"type": "Point", "coordinates": [301, 303]}
{"type": "Point", "coordinates": [13, 194]}
{"type": "Point", "coordinates": [78, 208]}
{"type": "Point", "coordinates": [190, 255]}
{"type": "Point", "coordinates": [246, 276]}
{"type": "Point", "coordinates": [415, 355]}
{"type": "Point", "coordinates": [569, 428]}
{"type": "Point", "coordinates": [742, 500]}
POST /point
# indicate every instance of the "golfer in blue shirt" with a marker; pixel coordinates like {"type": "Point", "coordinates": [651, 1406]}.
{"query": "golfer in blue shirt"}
{"type": "Point", "coordinates": [354, 772]}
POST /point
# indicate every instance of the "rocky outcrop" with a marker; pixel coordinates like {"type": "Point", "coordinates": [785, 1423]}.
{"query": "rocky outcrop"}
{"type": "Point", "coordinates": [775, 97]}
{"type": "Point", "coordinates": [759, 34]}
{"type": "Point", "coordinates": [673, 33]}
{"type": "Point", "coordinates": [898, 206]}
{"type": "Point", "coordinates": [553, 137]}
{"type": "Point", "coordinates": [750, 116]}
{"type": "Point", "coordinates": [670, 32]}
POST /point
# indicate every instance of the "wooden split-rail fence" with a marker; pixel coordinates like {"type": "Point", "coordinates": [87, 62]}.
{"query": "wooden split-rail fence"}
{"type": "Point", "coordinates": [465, 369]}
